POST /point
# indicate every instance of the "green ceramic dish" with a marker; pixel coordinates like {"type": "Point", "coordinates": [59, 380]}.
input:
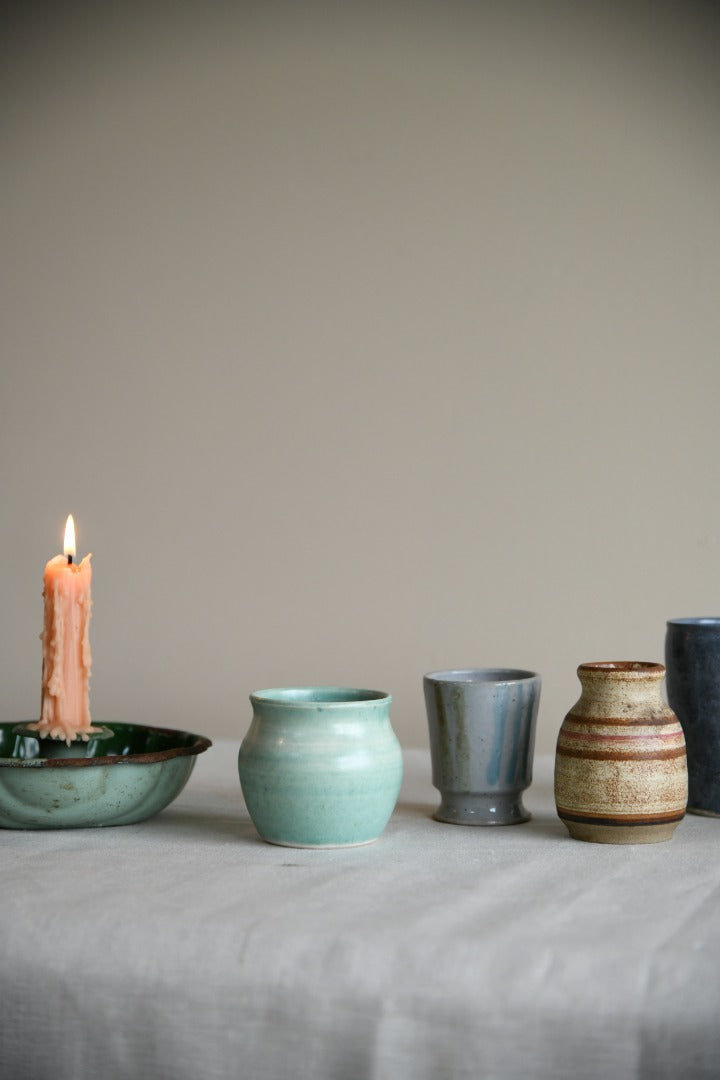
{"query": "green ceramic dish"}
{"type": "Point", "coordinates": [128, 775]}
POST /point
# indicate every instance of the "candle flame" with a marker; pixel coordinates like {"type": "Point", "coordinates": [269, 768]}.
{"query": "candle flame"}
{"type": "Point", "coordinates": [69, 548]}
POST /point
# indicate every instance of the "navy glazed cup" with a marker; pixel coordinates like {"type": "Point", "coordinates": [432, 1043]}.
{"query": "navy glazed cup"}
{"type": "Point", "coordinates": [692, 662]}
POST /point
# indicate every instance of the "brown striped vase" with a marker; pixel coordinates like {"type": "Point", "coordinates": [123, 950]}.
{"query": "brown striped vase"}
{"type": "Point", "coordinates": [620, 765]}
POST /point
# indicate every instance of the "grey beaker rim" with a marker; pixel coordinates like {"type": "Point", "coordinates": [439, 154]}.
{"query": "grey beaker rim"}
{"type": "Point", "coordinates": [482, 675]}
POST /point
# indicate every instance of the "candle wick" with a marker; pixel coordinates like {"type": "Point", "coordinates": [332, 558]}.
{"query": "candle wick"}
{"type": "Point", "coordinates": [69, 558]}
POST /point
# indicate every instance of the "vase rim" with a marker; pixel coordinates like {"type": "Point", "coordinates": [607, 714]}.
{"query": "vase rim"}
{"type": "Point", "coordinates": [300, 697]}
{"type": "Point", "coordinates": [698, 620]}
{"type": "Point", "coordinates": [622, 669]}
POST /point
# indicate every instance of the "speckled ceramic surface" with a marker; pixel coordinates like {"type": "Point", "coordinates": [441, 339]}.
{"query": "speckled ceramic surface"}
{"type": "Point", "coordinates": [692, 658]}
{"type": "Point", "coordinates": [320, 766]}
{"type": "Point", "coordinates": [126, 777]}
{"type": "Point", "coordinates": [620, 766]}
{"type": "Point", "coordinates": [482, 737]}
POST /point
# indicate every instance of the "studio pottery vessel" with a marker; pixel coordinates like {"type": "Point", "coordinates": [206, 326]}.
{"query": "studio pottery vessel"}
{"type": "Point", "coordinates": [124, 774]}
{"type": "Point", "coordinates": [482, 737]}
{"type": "Point", "coordinates": [320, 766]}
{"type": "Point", "coordinates": [620, 765]}
{"type": "Point", "coordinates": [692, 657]}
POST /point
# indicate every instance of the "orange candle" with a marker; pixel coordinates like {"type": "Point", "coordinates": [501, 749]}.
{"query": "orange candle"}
{"type": "Point", "coordinates": [65, 709]}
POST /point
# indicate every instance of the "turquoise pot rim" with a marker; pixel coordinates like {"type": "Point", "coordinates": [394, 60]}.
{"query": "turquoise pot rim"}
{"type": "Point", "coordinates": [329, 697]}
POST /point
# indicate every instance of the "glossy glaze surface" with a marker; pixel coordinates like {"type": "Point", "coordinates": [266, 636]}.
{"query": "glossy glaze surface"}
{"type": "Point", "coordinates": [320, 766]}
{"type": "Point", "coordinates": [692, 659]}
{"type": "Point", "coordinates": [129, 776]}
{"type": "Point", "coordinates": [482, 737]}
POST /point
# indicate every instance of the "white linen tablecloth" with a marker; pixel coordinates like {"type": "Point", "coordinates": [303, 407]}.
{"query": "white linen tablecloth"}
{"type": "Point", "coordinates": [184, 947]}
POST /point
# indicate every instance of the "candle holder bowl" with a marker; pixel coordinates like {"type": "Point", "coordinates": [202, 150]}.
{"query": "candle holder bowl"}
{"type": "Point", "coordinates": [123, 774]}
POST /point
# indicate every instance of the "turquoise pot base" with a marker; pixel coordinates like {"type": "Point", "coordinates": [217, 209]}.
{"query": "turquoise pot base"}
{"type": "Point", "coordinates": [320, 847]}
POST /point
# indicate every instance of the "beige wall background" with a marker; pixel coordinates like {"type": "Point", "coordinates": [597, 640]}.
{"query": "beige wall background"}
{"type": "Point", "coordinates": [361, 340]}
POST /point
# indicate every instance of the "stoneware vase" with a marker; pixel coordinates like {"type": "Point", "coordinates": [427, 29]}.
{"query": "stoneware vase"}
{"type": "Point", "coordinates": [482, 736]}
{"type": "Point", "coordinates": [692, 658]}
{"type": "Point", "coordinates": [320, 767]}
{"type": "Point", "coordinates": [620, 766]}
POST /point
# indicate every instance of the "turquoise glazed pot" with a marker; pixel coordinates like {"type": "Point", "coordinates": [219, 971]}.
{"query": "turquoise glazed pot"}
{"type": "Point", "coordinates": [125, 775]}
{"type": "Point", "coordinates": [321, 766]}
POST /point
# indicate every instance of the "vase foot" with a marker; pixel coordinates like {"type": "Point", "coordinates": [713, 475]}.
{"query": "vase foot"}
{"type": "Point", "coordinates": [620, 834]}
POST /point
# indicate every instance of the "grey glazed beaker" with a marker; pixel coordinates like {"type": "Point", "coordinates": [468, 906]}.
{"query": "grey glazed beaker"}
{"type": "Point", "coordinates": [482, 737]}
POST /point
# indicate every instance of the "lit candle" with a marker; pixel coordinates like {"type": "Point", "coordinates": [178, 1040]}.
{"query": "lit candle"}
{"type": "Point", "coordinates": [65, 708]}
